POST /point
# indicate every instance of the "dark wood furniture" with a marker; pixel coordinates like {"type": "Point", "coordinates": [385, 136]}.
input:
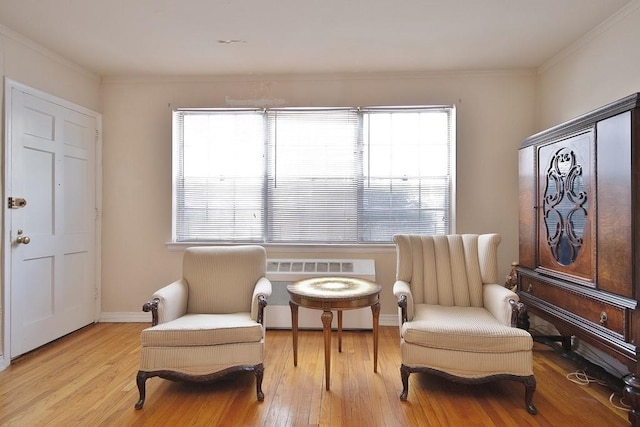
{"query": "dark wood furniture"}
{"type": "Point", "coordinates": [333, 293]}
{"type": "Point", "coordinates": [579, 249]}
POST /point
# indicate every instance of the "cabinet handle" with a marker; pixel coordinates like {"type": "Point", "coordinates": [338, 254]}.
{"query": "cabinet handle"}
{"type": "Point", "coordinates": [603, 318]}
{"type": "Point", "coordinates": [530, 287]}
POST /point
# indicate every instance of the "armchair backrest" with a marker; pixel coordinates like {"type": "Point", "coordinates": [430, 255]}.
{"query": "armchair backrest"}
{"type": "Point", "coordinates": [221, 279]}
{"type": "Point", "coordinates": [447, 269]}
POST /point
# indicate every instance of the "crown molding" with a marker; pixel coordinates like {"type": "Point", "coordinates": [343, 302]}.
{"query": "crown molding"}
{"type": "Point", "coordinates": [595, 33]}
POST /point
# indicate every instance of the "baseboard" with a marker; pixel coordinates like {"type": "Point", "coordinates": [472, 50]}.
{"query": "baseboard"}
{"type": "Point", "coordinates": [141, 317]}
{"type": "Point", "coordinates": [124, 317]}
{"type": "Point", "coordinates": [4, 362]}
{"type": "Point", "coordinates": [388, 320]}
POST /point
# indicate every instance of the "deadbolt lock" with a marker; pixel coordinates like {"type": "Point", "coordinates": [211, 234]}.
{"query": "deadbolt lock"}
{"type": "Point", "coordinates": [17, 202]}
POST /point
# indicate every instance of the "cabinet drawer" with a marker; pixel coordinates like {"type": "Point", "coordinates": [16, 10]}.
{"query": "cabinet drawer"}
{"type": "Point", "coordinates": [608, 316]}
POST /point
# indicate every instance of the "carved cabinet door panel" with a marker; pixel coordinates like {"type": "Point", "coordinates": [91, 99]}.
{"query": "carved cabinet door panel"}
{"type": "Point", "coordinates": [566, 206]}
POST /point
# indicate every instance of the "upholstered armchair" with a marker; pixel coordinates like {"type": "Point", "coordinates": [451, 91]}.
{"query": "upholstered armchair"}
{"type": "Point", "coordinates": [456, 321]}
{"type": "Point", "coordinates": [210, 322]}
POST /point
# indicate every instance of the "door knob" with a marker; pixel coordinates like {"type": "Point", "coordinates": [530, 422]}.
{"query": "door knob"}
{"type": "Point", "coordinates": [22, 239]}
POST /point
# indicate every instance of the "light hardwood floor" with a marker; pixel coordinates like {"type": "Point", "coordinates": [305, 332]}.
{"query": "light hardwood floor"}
{"type": "Point", "coordinates": [88, 379]}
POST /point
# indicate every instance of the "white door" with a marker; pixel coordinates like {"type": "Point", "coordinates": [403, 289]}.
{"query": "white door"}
{"type": "Point", "coordinates": [51, 153]}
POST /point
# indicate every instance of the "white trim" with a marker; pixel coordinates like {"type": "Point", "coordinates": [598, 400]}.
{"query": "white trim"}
{"type": "Point", "coordinates": [387, 248]}
{"type": "Point", "coordinates": [98, 217]}
{"type": "Point", "coordinates": [6, 246]}
{"type": "Point", "coordinates": [310, 319]}
{"type": "Point", "coordinates": [124, 317]}
{"type": "Point", "coordinates": [55, 57]}
{"type": "Point", "coordinates": [317, 77]}
{"type": "Point", "coordinates": [388, 320]}
{"type": "Point", "coordinates": [4, 363]}
{"type": "Point", "coordinates": [141, 317]}
{"type": "Point", "coordinates": [596, 32]}
{"type": "Point", "coordinates": [10, 83]}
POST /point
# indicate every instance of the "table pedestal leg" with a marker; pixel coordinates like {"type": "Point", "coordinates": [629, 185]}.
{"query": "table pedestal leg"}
{"type": "Point", "coordinates": [327, 317]}
{"type": "Point", "coordinates": [294, 329]}
{"type": "Point", "coordinates": [375, 309]}
{"type": "Point", "coordinates": [340, 331]}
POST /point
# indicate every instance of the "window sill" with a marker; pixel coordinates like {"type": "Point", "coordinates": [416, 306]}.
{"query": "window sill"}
{"type": "Point", "coordinates": [382, 248]}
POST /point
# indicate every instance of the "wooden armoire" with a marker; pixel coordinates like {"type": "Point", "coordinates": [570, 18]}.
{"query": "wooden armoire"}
{"type": "Point", "coordinates": [579, 260]}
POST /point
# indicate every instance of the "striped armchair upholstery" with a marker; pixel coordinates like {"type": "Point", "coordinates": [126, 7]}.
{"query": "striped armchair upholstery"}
{"type": "Point", "coordinates": [210, 322]}
{"type": "Point", "coordinates": [455, 319]}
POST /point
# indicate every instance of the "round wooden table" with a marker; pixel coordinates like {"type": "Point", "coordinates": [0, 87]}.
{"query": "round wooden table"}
{"type": "Point", "coordinates": [333, 293]}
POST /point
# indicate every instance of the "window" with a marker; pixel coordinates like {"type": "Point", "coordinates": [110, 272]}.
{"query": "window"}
{"type": "Point", "coordinates": [312, 175]}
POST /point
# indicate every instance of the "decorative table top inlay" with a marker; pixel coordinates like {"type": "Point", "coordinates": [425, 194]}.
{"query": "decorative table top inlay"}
{"type": "Point", "coordinates": [339, 288]}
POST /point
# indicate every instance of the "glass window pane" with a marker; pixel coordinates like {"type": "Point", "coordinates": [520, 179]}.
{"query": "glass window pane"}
{"type": "Point", "coordinates": [315, 175]}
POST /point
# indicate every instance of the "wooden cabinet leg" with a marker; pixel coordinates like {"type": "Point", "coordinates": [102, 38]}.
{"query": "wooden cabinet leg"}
{"type": "Point", "coordinates": [631, 394]}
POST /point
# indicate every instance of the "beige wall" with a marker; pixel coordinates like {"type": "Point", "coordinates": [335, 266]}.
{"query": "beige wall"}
{"type": "Point", "coordinates": [30, 64]}
{"type": "Point", "coordinates": [601, 68]}
{"type": "Point", "coordinates": [495, 112]}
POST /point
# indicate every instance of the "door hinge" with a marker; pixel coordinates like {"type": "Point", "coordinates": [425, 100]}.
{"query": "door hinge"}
{"type": "Point", "coordinates": [16, 202]}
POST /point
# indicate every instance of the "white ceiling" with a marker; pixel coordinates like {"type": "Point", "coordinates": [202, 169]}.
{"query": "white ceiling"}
{"type": "Point", "coordinates": [207, 37]}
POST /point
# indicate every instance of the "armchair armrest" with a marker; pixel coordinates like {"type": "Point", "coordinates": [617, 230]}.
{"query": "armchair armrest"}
{"type": "Point", "coordinates": [519, 315]}
{"type": "Point", "coordinates": [402, 291]}
{"type": "Point", "coordinates": [152, 306]}
{"type": "Point", "coordinates": [502, 303]}
{"type": "Point", "coordinates": [261, 293]}
{"type": "Point", "coordinates": [168, 303]}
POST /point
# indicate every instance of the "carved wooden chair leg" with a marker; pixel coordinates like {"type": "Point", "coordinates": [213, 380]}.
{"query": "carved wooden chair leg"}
{"type": "Point", "coordinates": [259, 371]}
{"type": "Point", "coordinates": [404, 374]}
{"type": "Point", "coordinates": [523, 319]}
{"type": "Point", "coordinates": [530, 388]}
{"type": "Point", "coordinates": [141, 380]}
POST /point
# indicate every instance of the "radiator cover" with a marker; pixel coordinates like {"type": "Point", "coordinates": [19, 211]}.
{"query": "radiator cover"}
{"type": "Point", "coordinates": [283, 272]}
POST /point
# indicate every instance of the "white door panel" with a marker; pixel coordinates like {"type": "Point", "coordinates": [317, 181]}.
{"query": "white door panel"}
{"type": "Point", "coordinates": [53, 276]}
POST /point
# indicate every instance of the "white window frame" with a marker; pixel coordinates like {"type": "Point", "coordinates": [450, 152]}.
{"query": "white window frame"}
{"type": "Point", "coordinates": [362, 171]}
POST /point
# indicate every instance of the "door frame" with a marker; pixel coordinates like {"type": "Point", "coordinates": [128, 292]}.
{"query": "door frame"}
{"type": "Point", "coordinates": [5, 303]}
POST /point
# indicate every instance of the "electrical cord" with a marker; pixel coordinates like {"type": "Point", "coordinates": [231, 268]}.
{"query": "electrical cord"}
{"type": "Point", "coordinates": [582, 378]}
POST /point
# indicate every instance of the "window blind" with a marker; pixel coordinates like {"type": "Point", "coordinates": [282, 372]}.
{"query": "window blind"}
{"type": "Point", "coordinates": [407, 172]}
{"type": "Point", "coordinates": [313, 168]}
{"type": "Point", "coordinates": [312, 175]}
{"type": "Point", "coordinates": [219, 175]}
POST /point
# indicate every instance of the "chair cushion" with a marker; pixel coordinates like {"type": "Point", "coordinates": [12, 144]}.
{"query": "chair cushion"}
{"type": "Point", "coordinates": [471, 329]}
{"type": "Point", "coordinates": [222, 279]}
{"type": "Point", "coordinates": [203, 330]}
